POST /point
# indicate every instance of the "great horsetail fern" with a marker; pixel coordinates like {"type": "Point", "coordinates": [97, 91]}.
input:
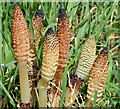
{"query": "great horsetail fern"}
{"type": "Point", "coordinates": [20, 40]}
{"type": "Point", "coordinates": [49, 64]}
{"type": "Point", "coordinates": [97, 77]}
{"type": "Point", "coordinates": [63, 34]}
{"type": "Point", "coordinates": [32, 62]}
{"type": "Point", "coordinates": [85, 63]}
{"type": "Point", "coordinates": [87, 57]}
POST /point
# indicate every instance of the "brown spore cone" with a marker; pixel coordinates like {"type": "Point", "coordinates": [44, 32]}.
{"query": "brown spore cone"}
{"type": "Point", "coordinates": [63, 34]}
{"type": "Point", "coordinates": [98, 75]}
{"type": "Point", "coordinates": [37, 21]}
{"type": "Point", "coordinates": [50, 55]}
{"type": "Point", "coordinates": [20, 35]}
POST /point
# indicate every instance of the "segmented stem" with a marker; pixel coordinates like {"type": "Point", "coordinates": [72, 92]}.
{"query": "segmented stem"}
{"type": "Point", "coordinates": [20, 40]}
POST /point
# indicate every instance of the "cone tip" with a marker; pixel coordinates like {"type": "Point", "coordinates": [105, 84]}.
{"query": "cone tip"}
{"type": "Point", "coordinates": [39, 13]}
{"type": "Point", "coordinates": [49, 31]}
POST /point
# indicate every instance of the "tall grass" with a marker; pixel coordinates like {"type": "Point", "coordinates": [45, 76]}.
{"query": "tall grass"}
{"type": "Point", "coordinates": [85, 18]}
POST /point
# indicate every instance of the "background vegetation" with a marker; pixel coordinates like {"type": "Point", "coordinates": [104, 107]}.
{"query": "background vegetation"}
{"type": "Point", "coordinates": [102, 19]}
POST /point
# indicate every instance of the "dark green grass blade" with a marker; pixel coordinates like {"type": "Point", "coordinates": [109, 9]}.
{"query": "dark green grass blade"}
{"type": "Point", "coordinates": [95, 98]}
{"type": "Point", "coordinates": [64, 83]}
{"type": "Point", "coordinates": [7, 93]}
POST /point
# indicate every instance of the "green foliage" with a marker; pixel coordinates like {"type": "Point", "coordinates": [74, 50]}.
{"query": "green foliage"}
{"type": "Point", "coordinates": [85, 18]}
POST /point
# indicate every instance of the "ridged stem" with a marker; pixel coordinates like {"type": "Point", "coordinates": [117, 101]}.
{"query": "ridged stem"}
{"type": "Point", "coordinates": [42, 88]}
{"type": "Point", "coordinates": [24, 84]}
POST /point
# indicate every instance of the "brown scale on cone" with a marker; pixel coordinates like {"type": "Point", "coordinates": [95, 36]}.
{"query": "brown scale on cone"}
{"type": "Point", "coordinates": [20, 35]}
{"type": "Point", "coordinates": [50, 55]}
{"type": "Point", "coordinates": [63, 34]}
{"type": "Point", "coordinates": [98, 76]}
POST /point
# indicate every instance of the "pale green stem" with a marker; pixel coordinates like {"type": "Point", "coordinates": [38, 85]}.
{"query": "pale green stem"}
{"type": "Point", "coordinates": [24, 84]}
{"type": "Point", "coordinates": [42, 88]}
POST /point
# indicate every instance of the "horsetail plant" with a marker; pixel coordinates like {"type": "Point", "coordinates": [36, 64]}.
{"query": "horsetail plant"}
{"type": "Point", "coordinates": [86, 60]}
{"type": "Point", "coordinates": [20, 40]}
{"type": "Point", "coordinates": [33, 69]}
{"type": "Point", "coordinates": [49, 64]}
{"type": "Point", "coordinates": [98, 76]}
